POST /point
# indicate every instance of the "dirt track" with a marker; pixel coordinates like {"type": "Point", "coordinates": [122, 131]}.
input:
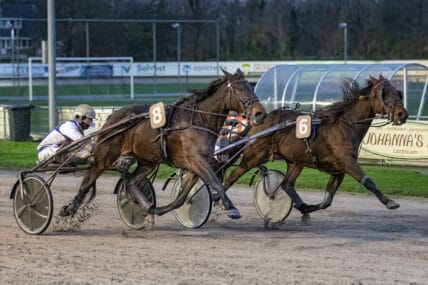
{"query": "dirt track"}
{"type": "Point", "coordinates": [356, 241]}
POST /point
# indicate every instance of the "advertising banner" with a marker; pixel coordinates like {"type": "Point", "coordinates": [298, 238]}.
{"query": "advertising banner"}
{"type": "Point", "coordinates": [138, 69]}
{"type": "Point", "coordinates": [407, 143]}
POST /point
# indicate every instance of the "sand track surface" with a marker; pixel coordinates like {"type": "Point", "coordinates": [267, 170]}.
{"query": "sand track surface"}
{"type": "Point", "coordinates": [355, 241]}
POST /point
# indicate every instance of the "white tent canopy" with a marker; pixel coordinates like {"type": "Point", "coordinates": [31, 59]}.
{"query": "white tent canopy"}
{"type": "Point", "coordinates": [315, 85]}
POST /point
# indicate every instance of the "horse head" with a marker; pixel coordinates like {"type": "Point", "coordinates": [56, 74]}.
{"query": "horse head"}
{"type": "Point", "coordinates": [242, 98]}
{"type": "Point", "coordinates": [388, 100]}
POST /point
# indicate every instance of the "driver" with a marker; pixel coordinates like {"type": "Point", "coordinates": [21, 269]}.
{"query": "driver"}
{"type": "Point", "coordinates": [234, 127]}
{"type": "Point", "coordinates": [65, 134]}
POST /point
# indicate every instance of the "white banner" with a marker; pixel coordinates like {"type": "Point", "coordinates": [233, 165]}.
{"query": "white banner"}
{"type": "Point", "coordinates": [150, 69]}
{"type": "Point", "coordinates": [139, 69]}
{"type": "Point", "coordinates": [408, 142]}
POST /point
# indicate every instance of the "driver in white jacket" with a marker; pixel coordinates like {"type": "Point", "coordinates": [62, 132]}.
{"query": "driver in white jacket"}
{"type": "Point", "coordinates": [66, 133]}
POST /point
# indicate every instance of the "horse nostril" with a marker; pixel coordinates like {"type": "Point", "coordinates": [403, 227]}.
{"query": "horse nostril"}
{"type": "Point", "coordinates": [402, 115]}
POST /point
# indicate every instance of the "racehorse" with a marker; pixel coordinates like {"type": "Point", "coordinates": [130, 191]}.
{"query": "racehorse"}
{"type": "Point", "coordinates": [333, 146]}
{"type": "Point", "coordinates": [186, 141]}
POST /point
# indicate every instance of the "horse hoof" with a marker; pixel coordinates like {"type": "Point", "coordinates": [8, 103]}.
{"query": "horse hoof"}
{"type": "Point", "coordinates": [306, 219]}
{"type": "Point", "coordinates": [67, 211]}
{"type": "Point", "coordinates": [64, 212]}
{"type": "Point", "coordinates": [149, 222]}
{"type": "Point", "coordinates": [216, 198]}
{"type": "Point", "coordinates": [303, 208]}
{"type": "Point", "coordinates": [392, 205]}
{"type": "Point", "coordinates": [234, 214]}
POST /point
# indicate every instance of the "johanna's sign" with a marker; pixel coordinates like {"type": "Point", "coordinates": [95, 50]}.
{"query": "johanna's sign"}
{"type": "Point", "coordinates": [408, 142]}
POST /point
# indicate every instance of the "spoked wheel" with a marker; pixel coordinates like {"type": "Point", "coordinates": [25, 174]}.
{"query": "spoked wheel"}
{"type": "Point", "coordinates": [272, 203]}
{"type": "Point", "coordinates": [32, 204]}
{"type": "Point", "coordinates": [128, 208]}
{"type": "Point", "coordinates": [197, 208]}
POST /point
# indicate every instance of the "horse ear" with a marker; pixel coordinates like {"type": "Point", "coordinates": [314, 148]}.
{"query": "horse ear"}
{"type": "Point", "coordinates": [381, 77]}
{"type": "Point", "coordinates": [373, 80]}
{"type": "Point", "coordinates": [239, 72]}
{"type": "Point", "coordinates": [225, 72]}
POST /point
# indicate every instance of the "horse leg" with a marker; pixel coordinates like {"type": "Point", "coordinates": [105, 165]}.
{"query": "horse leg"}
{"type": "Point", "coordinates": [132, 186]}
{"type": "Point", "coordinates": [204, 171]}
{"type": "Point", "coordinates": [293, 171]}
{"type": "Point", "coordinates": [333, 184]}
{"type": "Point", "coordinates": [354, 170]}
{"type": "Point", "coordinates": [88, 181]}
{"type": "Point", "coordinates": [230, 180]}
{"type": "Point", "coordinates": [189, 181]}
{"type": "Point", "coordinates": [104, 156]}
{"type": "Point", "coordinates": [201, 168]}
{"type": "Point", "coordinates": [249, 160]}
{"type": "Point", "coordinates": [236, 174]}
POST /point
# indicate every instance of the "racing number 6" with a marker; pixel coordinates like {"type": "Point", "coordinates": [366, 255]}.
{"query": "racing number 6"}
{"type": "Point", "coordinates": [157, 115]}
{"type": "Point", "coordinates": [303, 126]}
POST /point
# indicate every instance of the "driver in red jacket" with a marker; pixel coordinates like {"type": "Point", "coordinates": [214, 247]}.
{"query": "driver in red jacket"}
{"type": "Point", "coordinates": [234, 127]}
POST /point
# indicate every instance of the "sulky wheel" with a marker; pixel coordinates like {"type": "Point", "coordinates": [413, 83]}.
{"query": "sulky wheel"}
{"type": "Point", "coordinates": [128, 208]}
{"type": "Point", "coordinates": [197, 208]}
{"type": "Point", "coordinates": [272, 203]}
{"type": "Point", "coordinates": [32, 204]}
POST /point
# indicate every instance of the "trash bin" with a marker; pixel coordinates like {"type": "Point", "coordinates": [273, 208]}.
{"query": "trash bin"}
{"type": "Point", "coordinates": [20, 122]}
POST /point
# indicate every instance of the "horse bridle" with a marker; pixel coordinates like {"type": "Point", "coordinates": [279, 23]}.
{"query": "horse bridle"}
{"type": "Point", "coordinates": [245, 104]}
{"type": "Point", "coordinates": [389, 106]}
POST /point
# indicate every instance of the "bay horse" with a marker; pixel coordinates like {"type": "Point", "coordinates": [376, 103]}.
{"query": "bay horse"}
{"type": "Point", "coordinates": [334, 146]}
{"type": "Point", "coordinates": [187, 141]}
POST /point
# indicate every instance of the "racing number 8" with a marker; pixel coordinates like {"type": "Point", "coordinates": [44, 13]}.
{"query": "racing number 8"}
{"type": "Point", "coordinates": [303, 126]}
{"type": "Point", "coordinates": [157, 115]}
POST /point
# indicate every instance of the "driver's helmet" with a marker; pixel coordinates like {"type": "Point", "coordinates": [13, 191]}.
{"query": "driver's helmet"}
{"type": "Point", "coordinates": [84, 110]}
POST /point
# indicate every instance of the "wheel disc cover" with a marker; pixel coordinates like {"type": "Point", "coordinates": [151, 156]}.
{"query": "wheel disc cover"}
{"type": "Point", "coordinates": [276, 208]}
{"type": "Point", "coordinates": [197, 207]}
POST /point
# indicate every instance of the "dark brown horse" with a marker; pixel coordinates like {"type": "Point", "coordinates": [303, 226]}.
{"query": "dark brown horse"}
{"type": "Point", "coordinates": [187, 141]}
{"type": "Point", "coordinates": [334, 146]}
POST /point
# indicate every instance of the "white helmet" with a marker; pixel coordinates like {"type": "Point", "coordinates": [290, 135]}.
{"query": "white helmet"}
{"type": "Point", "coordinates": [84, 110]}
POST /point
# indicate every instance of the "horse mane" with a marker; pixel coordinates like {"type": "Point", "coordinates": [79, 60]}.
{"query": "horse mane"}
{"type": "Point", "coordinates": [351, 94]}
{"type": "Point", "coordinates": [201, 94]}
{"type": "Point", "coordinates": [127, 111]}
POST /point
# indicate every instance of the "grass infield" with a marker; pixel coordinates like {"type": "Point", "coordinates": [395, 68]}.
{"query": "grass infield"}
{"type": "Point", "coordinates": [391, 180]}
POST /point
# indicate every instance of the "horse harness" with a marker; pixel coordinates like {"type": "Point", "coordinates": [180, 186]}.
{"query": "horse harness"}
{"type": "Point", "coordinates": [169, 127]}
{"type": "Point", "coordinates": [165, 131]}
{"type": "Point", "coordinates": [315, 121]}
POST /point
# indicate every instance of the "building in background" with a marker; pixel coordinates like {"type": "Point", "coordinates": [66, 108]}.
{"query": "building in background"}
{"type": "Point", "coordinates": [17, 37]}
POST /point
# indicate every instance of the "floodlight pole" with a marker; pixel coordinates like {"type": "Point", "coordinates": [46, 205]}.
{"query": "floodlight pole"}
{"type": "Point", "coordinates": [217, 29]}
{"type": "Point", "coordinates": [344, 26]}
{"type": "Point", "coordinates": [154, 57]}
{"type": "Point", "coordinates": [53, 115]}
{"type": "Point", "coordinates": [177, 26]}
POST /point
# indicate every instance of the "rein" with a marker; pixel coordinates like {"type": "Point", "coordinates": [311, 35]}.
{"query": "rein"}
{"type": "Point", "coordinates": [244, 105]}
{"type": "Point", "coordinates": [193, 110]}
{"type": "Point", "coordinates": [364, 121]}
{"type": "Point", "coordinates": [202, 112]}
